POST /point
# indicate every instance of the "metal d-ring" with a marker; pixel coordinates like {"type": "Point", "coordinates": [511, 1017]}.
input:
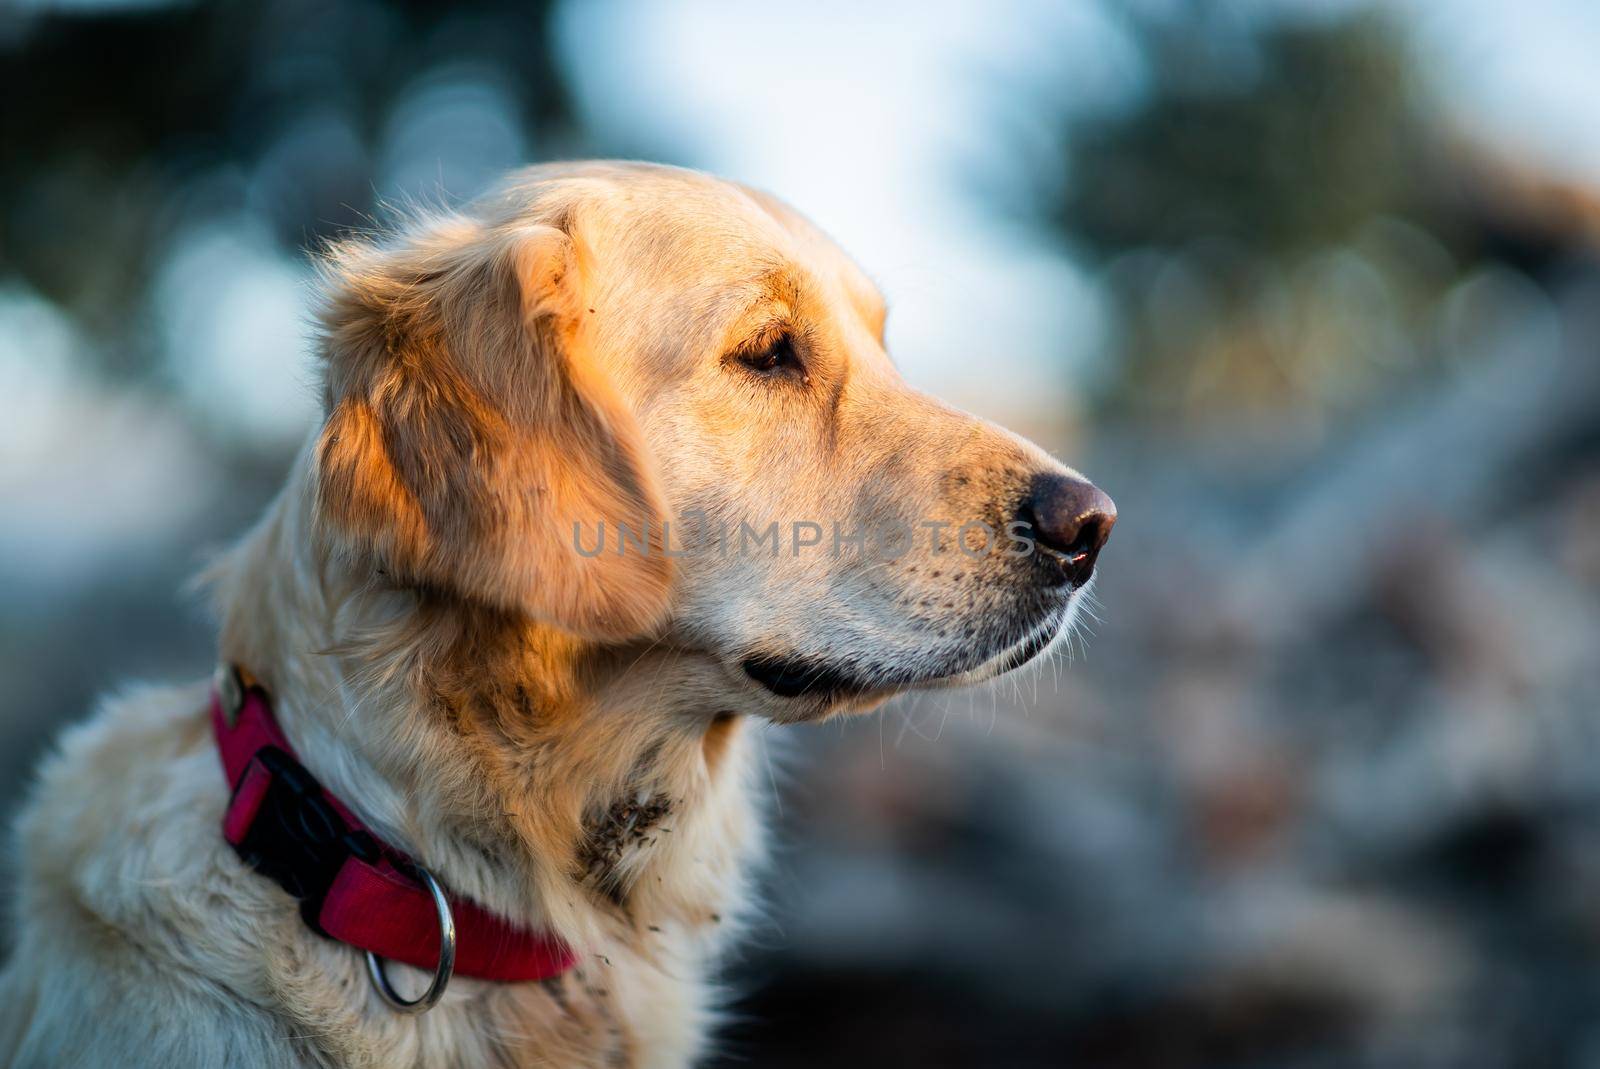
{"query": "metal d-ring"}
{"type": "Point", "coordinates": [441, 974]}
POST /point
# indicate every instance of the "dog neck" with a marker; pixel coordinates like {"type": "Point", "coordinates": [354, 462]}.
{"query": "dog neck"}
{"type": "Point", "coordinates": [560, 783]}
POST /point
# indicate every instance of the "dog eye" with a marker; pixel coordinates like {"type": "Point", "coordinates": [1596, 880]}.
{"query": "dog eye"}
{"type": "Point", "coordinates": [775, 356]}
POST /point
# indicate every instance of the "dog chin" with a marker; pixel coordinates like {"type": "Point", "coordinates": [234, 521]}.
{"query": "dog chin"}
{"type": "Point", "coordinates": [810, 688]}
{"type": "Point", "coordinates": [1028, 649]}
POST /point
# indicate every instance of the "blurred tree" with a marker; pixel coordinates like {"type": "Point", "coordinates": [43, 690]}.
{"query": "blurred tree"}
{"type": "Point", "coordinates": [124, 125]}
{"type": "Point", "coordinates": [1282, 146]}
{"type": "Point", "coordinates": [1274, 217]}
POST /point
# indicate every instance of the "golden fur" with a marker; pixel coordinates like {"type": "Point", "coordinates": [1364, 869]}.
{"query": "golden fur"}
{"type": "Point", "coordinates": [559, 736]}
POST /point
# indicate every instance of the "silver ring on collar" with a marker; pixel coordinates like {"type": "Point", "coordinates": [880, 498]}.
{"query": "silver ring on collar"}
{"type": "Point", "coordinates": [441, 974]}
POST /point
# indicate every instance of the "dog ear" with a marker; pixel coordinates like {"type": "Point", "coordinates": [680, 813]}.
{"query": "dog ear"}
{"type": "Point", "coordinates": [468, 439]}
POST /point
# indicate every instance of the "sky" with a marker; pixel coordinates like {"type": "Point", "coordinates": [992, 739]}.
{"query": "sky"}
{"type": "Point", "coordinates": [877, 122]}
{"type": "Point", "coordinates": [1526, 74]}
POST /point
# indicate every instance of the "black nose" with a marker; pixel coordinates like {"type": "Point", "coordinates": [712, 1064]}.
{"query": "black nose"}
{"type": "Point", "coordinates": [1071, 519]}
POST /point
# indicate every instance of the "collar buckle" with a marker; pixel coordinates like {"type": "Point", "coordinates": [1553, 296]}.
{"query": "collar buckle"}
{"type": "Point", "coordinates": [296, 839]}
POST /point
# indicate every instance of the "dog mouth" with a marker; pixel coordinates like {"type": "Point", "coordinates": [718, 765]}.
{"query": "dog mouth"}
{"type": "Point", "coordinates": [796, 677]}
{"type": "Point", "coordinates": [806, 677]}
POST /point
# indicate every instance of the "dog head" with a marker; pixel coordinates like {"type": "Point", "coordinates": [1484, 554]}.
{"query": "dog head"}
{"type": "Point", "coordinates": [637, 402]}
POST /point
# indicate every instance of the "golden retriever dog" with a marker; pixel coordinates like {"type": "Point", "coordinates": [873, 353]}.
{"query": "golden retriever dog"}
{"type": "Point", "coordinates": [613, 464]}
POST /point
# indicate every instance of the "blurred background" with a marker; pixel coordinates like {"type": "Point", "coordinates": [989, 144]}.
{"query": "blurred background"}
{"type": "Point", "coordinates": [1312, 288]}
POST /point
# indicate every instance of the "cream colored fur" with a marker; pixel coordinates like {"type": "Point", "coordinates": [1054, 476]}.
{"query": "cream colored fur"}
{"type": "Point", "coordinates": [564, 740]}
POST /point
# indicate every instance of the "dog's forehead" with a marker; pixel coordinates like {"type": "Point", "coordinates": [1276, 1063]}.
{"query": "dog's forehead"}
{"type": "Point", "coordinates": [685, 227]}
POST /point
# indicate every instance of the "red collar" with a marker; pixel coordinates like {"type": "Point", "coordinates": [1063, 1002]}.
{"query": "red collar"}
{"type": "Point", "coordinates": [352, 886]}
